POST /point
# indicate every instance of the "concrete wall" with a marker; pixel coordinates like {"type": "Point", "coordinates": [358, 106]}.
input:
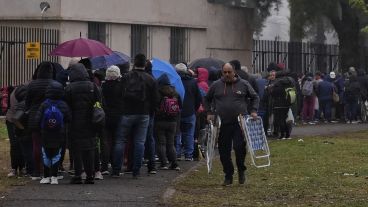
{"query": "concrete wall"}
{"type": "Point", "coordinates": [229, 33]}
{"type": "Point", "coordinates": [160, 42]}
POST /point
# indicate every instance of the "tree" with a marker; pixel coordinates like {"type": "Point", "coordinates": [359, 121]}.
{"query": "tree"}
{"type": "Point", "coordinates": [344, 17]}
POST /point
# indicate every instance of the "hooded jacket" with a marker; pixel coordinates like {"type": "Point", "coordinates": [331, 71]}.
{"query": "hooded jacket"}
{"type": "Point", "coordinates": [165, 89]}
{"type": "Point", "coordinates": [202, 79]}
{"type": "Point", "coordinates": [192, 98]}
{"type": "Point", "coordinates": [229, 100]}
{"type": "Point", "coordinates": [81, 94]}
{"type": "Point", "coordinates": [36, 91]}
{"type": "Point", "coordinates": [55, 94]}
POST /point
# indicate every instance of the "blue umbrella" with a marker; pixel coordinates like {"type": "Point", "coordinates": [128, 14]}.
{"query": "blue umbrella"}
{"type": "Point", "coordinates": [109, 60]}
{"type": "Point", "coordinates": [160, 67]}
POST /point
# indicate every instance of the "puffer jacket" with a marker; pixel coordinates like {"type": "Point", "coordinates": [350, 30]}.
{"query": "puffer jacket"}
{"type": "Point", "coordinates": [202, 79]}
{"type": "Point", "coordinates": [81, 94]}
{"type": "Point", "coordinates": [55, 94]}
{"type": "Point", "coordinates": [36, 92]}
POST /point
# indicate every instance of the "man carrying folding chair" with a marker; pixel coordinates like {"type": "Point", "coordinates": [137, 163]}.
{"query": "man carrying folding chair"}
{"type": "Point", "coordinates": [227, 98]}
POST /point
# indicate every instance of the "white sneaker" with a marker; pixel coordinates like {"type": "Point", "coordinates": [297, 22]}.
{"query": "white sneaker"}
{"type": "Point", "coordinates": [84, 175]}
{"type": "Point", "coordinates": [12, 173]}
{"type": "Point", "coordinates": [98, 176]}
{"type": "Point", "coordinates": [36, 178]}
{"type": "Point", "coordinates": [54, 181]}
{"type": "Point", "coordinates": [45, 180]}
{"type": "Point", "coordinates": [355, 122]}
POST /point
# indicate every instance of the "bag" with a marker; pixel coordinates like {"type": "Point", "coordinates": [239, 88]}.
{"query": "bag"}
{"type": "Point", "coordinates": [307, 89]}
{"type": "Point", "coordinates": [4, 96]}
{"type": "Point", "coordinates": [135, 88]}
{"type": "Point", "coordinates": [170, 106]}
{"type": "Point", "coordinates": [291, 95]}
{"type": "Point", "coordinates": [290, 117]}
{"type": "Point", "coordinates": [335, 97]}
{"type": "Point", "coordinates": [53, 118]}
{"type": "Point", "coordinates": [98, 114]}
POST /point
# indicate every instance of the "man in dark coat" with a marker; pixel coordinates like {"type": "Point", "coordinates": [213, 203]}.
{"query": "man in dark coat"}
{"type": "Point", "coordinates": [191, 103]}
{"type": "Point", "coordinates": [81, 94]}
{"type": "Point", "coordinates": [35, 96]}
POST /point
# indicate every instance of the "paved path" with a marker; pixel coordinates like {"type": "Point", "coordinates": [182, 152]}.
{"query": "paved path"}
{"type": "Point", "coordinates": [124, 191]}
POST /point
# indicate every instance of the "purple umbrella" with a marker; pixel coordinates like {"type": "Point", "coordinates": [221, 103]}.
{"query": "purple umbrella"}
{"type": "Point", "coordinates": [81, 47]}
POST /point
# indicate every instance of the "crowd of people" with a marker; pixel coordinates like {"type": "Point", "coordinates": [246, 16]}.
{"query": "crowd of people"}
{"type": "Point", "coordinates": [145, 118]}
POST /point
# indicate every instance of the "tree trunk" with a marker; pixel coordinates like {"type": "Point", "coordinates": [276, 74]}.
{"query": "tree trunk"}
{"type": "Point", "coordinates": [348, 31]}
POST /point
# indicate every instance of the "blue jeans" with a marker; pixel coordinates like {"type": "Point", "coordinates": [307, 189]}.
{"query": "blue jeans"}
{"type": "Point", "coordinates": [185, 139]}
{"type": "Point", "coordinates": [325, 107]}
{"type": "Point", "coordinates": [136, 126]}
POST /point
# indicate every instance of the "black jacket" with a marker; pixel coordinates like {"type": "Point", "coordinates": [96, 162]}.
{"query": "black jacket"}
{"type": "Point", "coordinates": [54, 139]}
{"type": "Point", "coordinates": [112, 91]}
{"type": "Point", "coordinates": [245, 76]}
{"type": "Point", "coordinates": [192, 98]}
{"type": "Point", "coordinates": [36, 92]}
{"type": "Point", "coordinates": [81, 94]}
{"type": "Point", "coordinates": [149, 105]}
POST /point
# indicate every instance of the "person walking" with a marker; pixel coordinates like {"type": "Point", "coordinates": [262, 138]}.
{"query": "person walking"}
{"type": "Point", "coordinates": [229, 96]}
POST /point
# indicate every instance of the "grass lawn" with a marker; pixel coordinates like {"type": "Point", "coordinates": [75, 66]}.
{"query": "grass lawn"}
{"type": "Point", "coordinates": [5, 182]}
{"type": "Point", "coordinates": [320, 171]}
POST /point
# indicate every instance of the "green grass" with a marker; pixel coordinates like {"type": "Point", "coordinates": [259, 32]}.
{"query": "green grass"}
{"type": "Point", "coordinates": [320, 171]}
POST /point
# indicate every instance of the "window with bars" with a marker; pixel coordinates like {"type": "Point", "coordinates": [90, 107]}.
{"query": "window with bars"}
{"type": "Point", "coordinates": [179, 45]}
{"type": "Point", "coordinates": [97, 31]}
{"type": "Point", "coordinates": [139, 40]}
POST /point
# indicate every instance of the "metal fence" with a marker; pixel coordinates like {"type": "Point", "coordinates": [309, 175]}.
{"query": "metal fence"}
{"type": "Point", "coordinates": [297, 56]}
{"type": "Point", "coordinates": [14, 67]}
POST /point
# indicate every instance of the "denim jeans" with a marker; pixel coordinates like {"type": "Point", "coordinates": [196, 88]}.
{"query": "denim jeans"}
{"type": "Point", "coordinates": [136, 126]}
{"type": "Point", "coordinates": [185, 139]}
{"type": "Point", "coordinates": [325, 107]}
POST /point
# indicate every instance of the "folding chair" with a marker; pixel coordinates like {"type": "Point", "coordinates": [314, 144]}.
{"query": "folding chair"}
{"type": "Point", "coordinates": [213, 131]}
{"type": "Point", "coordinates": [256, 140]}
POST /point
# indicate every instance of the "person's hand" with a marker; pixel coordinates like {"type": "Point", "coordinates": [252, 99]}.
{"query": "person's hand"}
{"type": "Point", "coordinates": [254, 115]}
{"type": "Point", "coordinates": [210, 118]}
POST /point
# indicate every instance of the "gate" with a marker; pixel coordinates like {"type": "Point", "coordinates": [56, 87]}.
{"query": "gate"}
{"type": "Point", "coordinates": [14, 67]}
{"type": "Point", "coordinates": [299, 57]}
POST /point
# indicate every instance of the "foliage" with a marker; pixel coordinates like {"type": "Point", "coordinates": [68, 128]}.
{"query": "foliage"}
{"type": "Point", "coordinates": [361, 5]}
{"type": "Point", "coordinates": [320, 171]}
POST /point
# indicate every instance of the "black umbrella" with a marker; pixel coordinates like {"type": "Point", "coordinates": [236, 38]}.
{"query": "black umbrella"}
{"type": "Point", "coordinates": [206, 63]}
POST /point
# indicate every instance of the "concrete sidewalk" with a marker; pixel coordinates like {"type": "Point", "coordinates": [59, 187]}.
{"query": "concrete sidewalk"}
{"type": "Point", "coordinates": [124, 191]}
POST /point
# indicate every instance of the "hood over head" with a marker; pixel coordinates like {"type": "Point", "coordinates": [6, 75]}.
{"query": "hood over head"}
{"type": "Point", "coordinates": [55, 91]}
{"type": "Point", "coordinates": [78, 73]}
{"type": "Point", "coordinates": [202, 74]}
{"type": "Point", "coordinates": [44, 70]}
{"type": "Point", "coordinates": [163, 80]}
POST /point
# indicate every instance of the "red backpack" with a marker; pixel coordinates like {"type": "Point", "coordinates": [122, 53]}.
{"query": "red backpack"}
{"type": "Point", "coordinates": [4, 94]}
{"type": "Point", "coordinates": [170, 106]}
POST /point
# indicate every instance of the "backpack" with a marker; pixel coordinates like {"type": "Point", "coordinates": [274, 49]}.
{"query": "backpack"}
{"type": "Point", "coordinates": [53, 118]}
{"type": "Point", "coordinates": [135, 88]}
{"type": "Point", "coordinates": [170, 106]}
{"type": "Point", "coordinates": [307, 89]}
{"type": "Point", "coordinates": [290, 95]}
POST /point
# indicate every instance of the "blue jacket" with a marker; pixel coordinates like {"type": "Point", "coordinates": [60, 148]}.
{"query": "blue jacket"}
{"type": "Point", "coordinates": [324, 91]}
{"type": "Point", "coordinates": [192, 98]}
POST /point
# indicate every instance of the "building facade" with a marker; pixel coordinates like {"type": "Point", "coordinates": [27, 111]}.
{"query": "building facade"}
{"type": "Point", "coordinates": [173, 30]}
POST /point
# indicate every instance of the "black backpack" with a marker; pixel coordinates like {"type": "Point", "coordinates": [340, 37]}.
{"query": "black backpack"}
{"type": "Point", "coordinates": [135, 87]}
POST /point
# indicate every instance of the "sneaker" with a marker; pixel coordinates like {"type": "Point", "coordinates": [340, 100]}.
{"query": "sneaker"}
{"type": "Point", "coordinates": [98, 176]}
{"type": "Point", "coordinates": [89, 180]}
{"type": "Point", "coordinates": [348, 122]}
{"type": "Point", "coordinates": [241, 178]}
{"type": "Point", "coordinates": [54, 181]}
{"type": "Point", "coordinates": [227, 182]}
{"type": "Point", "coordinates": [60, 177]}
{"type": "Point", "coordinates": [12, 173]}
{"type": "Point", "coordinates": [311, 123]}
{"type": "Point", "coordinates": [36, 178]}
{"type": "Point", "coordinates": [355, 122]}
{"type": "Point", "coordinates": [164, 167]}
{"type": "Point", "coordinates": [76, 180]}
{"type": "Point", "coordinates": [45, 180]}
{"type": "Point", "coordinates": [106, 172]}
{"type": "Point", "coordinates": [152, 171]}
{"type": "Point", "coordinates": [175, 167]}
{"type": "Point", "coordinates": [178, 158]}
{"type": "Point", "coordinates": [84, 175]}
{"type": "Point", "coordinates": [62, 169]}
{"type": "Point", "coordinates": [116, 174]}
{"type": "Point", "coordinates": [188, 159]}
